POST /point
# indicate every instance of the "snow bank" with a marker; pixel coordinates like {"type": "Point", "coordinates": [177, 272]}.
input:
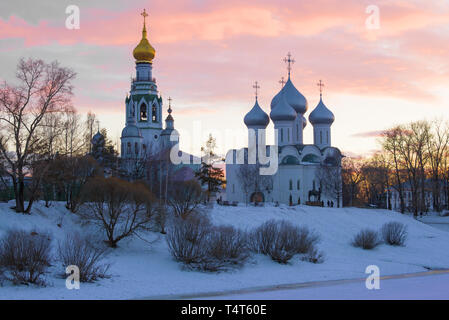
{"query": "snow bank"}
{"type": "Point", "coordinates": [141, 270]}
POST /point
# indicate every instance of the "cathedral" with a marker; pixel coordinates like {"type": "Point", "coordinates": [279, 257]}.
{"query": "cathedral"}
{"type": "Point", "coordinates": [144, 133]}
{"type": "Point", "coordinates": [299, 177]}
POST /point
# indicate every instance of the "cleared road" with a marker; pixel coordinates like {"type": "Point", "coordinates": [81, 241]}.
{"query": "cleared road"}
{"type": "Point", "coordinates": [422, 285]}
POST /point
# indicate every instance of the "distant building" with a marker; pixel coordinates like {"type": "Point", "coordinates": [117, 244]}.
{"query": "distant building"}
{"type": "Point", "coordinates": [394, 199]}
{"type": "Point", "coordinates": [296, 180]}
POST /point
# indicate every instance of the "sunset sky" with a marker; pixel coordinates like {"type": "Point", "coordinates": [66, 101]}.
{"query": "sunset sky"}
{"type": "Point", "coordinates": [209, 53]}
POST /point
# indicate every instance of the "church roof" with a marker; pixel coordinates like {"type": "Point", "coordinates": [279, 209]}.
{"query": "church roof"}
{"type": "Point", "coordinates": [147, 97]}
{"type": "Point", "coordinates": [295, 98]}
{"type": "Point", "coordinates": [131, 131]}
{"type": "Point", "coordinates": [283, 111]}
{"type": "Point", "coordinates": [276, 99]}
{"type": "Point", "coordinates": [256, 117]}
{"type": "Point", "coordinates": [97, 137]}
{"type": "Point", "coordinates": [169, 131]}
{"type": "Point", "coordinates": [321, 114]}
{"type": "Point", "coordinates": [144, 52]}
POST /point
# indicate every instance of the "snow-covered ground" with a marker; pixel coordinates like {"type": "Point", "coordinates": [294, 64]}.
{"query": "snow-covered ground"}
{"type": "Point", "coordinates": [435, 220]}
{"type": "Point", "coordinates": [143, 270]}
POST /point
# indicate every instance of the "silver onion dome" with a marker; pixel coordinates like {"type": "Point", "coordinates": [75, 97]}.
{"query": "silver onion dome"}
{"type": "Point", "coordinates": [283, 111]}
{"type": "Point", "coordinates": [256, 117]}
{"type": "Point", "coordinates": [321, 114]}
{"type": "Point", "coordinates": [295, 98]}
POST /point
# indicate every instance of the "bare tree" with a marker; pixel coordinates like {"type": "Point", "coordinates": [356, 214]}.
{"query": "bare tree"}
{"type": "Point", "coordinates": [90, 128]}
{"type": "Point", "coordinates": [252, 181]}
{"type": "Point", "coordinates": [375, 185]}
{"type": "Point", "coordinates": [437, 147]}
{"type": "Point", "coordinates": [246, 177]}
{"type": "Point", "coordinates": [330, 181]}
{"type": "Point", "coordinates": [351, 177]}
{"type": "Point", "coordinates": [184, 197]}
{"type": "Point", "coordinates": [391, 142]}
{"type": "Point", "coordinates": [118, 206]}
{"type": "Point", "coordinates": [72, 142]}
{"type": "Point", "coordinates": [71, 174]}
{"type": "Point", "coordinates": [411, 150]}
{"type": "Point", "coordinates": [43, 88]}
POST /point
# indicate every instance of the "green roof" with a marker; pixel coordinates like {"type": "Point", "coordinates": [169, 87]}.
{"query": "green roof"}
{"type": "Point", "coordinates": [147, 97]}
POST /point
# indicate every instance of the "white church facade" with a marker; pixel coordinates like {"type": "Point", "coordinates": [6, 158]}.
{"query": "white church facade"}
{"type": "Point", "coordinates": [298, 178]}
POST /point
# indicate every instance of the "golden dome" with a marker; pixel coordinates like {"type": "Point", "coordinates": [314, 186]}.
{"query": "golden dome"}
{"type": "Point", "coordinates": [144, 52]}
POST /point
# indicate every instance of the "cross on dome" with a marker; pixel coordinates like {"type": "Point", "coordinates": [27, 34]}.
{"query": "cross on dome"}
{"type": "Point", "coordinates": [321, 85]}
{"type": "Point", "coordinates": [289, 61]}
{"type": "Point", "coordinates": [169, 110]}
{"type": "Point", "coordinates": [144, 14]}
{"type": "Point", "coordinates": [256, 86]}
{"type": "Point", "coordinates": [282, 82]}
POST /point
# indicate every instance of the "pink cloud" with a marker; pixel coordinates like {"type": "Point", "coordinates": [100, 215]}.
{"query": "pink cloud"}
{"type": "Point", "coordinates": [174, 21]}
{"type": "Point", "coordinates": [368, 134]}
{"type": "Point", "coordinates": [210, 52]}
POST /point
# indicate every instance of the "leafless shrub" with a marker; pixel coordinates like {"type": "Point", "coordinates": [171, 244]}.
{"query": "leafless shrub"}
{"type": "Point", "coordinates": [281, 240]}
{"type": "Point", "coordinates": [262, 238]}
{"type": "Point", "coordinates": [366, 239]}
{"type": "Point", "coordinates": [83, 253]}
{"type": "Point", "coordinates": [394, 233]}
{"type": "Point", "coordinates": [228, 245]}
{"type": "Point", "coordinates": [198, 244]}
{"type": "Point", "coordinates": [25, 256]}
{"type": "Point", "coordinates": [159, 218]}
{"type": "Point", "coordinates": [313, 256]}
{"type": "Point", "coordinates": [187, 239]}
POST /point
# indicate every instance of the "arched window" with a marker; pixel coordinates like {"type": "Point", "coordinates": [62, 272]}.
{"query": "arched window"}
{"type": "Point", "coordinates": [298, 184]}
{"type": "Point", "coordinates": [290, 185]}
{"type": "Point", "coordinates": [136, 148]}
{"type": "Point", "coordinates": [144, 148]}
{"type": "Point", "coordinates": [143, 112]}
{"type": "Point", "coordinates": [288, 134]}
{"type": "Point", "coordinates": [297, 131]}
{"type": "Point", "coordinates": [311, 158]}
{"type": "Point", "coordinates": [153, 114]}
{"type": "Point", "coordinates": [128, 148]}
{"type": "Point", "coordinates": [289, 160]}
{"type": "Point", "coordinates": [282, 134]}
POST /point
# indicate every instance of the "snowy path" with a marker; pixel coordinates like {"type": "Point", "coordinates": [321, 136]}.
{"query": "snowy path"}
{"type": "Point", "coordinates": [421, 285]}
